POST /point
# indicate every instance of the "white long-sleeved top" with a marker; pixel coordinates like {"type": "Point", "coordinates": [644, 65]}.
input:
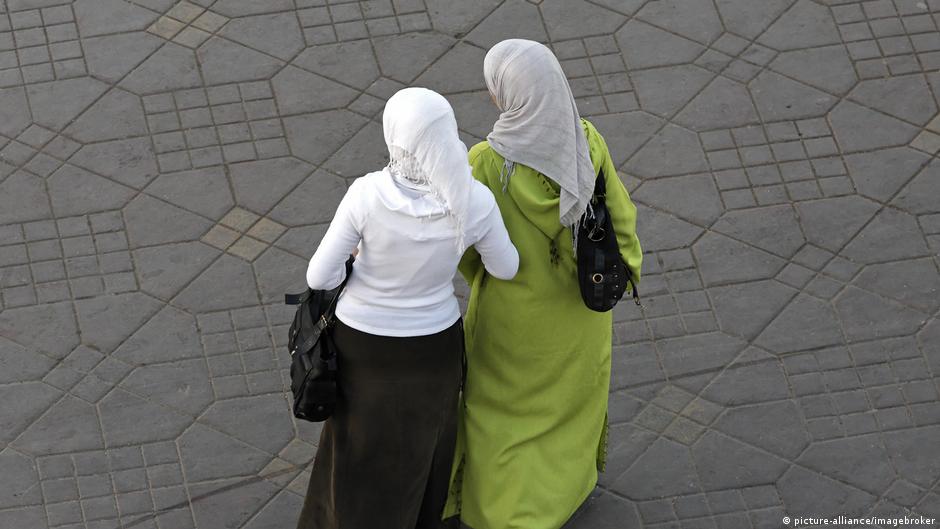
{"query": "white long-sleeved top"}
{"type": "Point", "coordinates": [402, 279]}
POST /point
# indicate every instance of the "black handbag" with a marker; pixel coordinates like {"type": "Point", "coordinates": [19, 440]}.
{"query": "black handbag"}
{"type": "Point", "coordinates": [313, 368]}
{"type": "Point", "coordinates": [602, 274]}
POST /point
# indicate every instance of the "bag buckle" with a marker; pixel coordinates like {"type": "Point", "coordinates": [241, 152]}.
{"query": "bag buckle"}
{"type": "Point", "coordinates": [597, 234]}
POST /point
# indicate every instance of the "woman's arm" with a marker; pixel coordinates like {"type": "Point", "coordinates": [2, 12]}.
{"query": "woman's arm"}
{"type": "Point", "coordinates": [471, 264]}
{"type": "Point", "coordinates": [327, 267]}
{"type": "Point", "coordinates": [496, 251]}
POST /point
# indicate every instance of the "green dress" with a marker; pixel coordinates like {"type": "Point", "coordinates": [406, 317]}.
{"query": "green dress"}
{"type": "Point", "coordinates": [534, 421]}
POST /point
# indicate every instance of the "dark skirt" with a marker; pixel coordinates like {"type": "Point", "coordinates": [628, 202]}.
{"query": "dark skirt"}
{"type": "Point", "coordinates": [385, 455]}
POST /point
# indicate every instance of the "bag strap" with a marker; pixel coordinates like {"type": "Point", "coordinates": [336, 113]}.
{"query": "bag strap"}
{"type": "Point", "coordinates": [331, 308]}
{"type": "Point", "coordinates": [600, 186]}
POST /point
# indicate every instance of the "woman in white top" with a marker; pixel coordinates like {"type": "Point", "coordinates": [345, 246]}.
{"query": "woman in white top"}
{"type": "Point", "coordinates": [385, 455]}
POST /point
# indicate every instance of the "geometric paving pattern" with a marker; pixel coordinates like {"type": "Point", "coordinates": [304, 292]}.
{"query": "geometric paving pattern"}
{"type": "Point", "coordinates": [70, 258]}
{"type": "Point", "coordinates": [39, 45]}
{"type": "Point", "coordinates": [243, 233]}
{"type": "Point", "coordinates": [187, 24]}
{"type": "Point", "coordinates": [929, 139]}
{"type": "Point", "coordinates": [779, 162]}
{"type": "Point", "coordinates": [675, 302]}
{"type": "Point", "coordinates": [168, 167]}
{"type": "Point", "coordinates": [326, 21]}
{"type": "Point", "coordinates": [239, 350]}
{"type": "Point", "coordinates": [37, 150]}
{"type": "Point", "coordinates": [596, 73]}
{"type": "Point", "coordinates": [88, 489]}
{"type": "Point", "coordinates": [886, 36]}
{"type": "Point", "coordinates": [856, 391]}
{"type": "Point", "coordinates": [204, 127]}
{"type": "Point", "coordinates": [749, 507]}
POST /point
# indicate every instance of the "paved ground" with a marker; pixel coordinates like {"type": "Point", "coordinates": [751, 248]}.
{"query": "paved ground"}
{"type": "Point", "coordinates": [167, 168]}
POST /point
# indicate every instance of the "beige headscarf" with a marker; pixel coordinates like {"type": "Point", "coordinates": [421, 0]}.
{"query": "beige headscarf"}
{"type": "Point", "coordinates": [539, 125]}
{"type": "Point", "coordinates": [426, 154]}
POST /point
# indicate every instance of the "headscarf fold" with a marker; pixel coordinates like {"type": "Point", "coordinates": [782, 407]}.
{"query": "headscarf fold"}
{"type": "Point", "coordinates": [539, 125]}
{"type": "Point", "coordinates": [426, 154]}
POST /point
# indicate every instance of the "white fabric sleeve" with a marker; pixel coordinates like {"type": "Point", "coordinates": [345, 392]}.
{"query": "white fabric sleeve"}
{"type": "Point", "coordinates": [327, 267]}
{"type": "Point", "coordinates": [500, 257]}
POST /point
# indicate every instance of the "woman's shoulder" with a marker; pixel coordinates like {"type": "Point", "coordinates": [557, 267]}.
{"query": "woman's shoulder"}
{"type": "Point", "coordinates": [372, 177]}
{"type": "Point", "coordinates": [596, 143]}
{"type": "Point", "coordinates": [485, 163]}
{"type": "Point", "coordinates": [593, 135]}
{"type": "Point", "coordinates": [368, 181]}
{"type": "Point", "coordinates": [483, 153]}
{"type": "Point", "coordinates": [364, 189]}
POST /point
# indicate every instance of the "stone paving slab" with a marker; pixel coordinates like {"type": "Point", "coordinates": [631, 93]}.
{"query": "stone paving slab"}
{"type": "Point", "coordinates": [168, 166]}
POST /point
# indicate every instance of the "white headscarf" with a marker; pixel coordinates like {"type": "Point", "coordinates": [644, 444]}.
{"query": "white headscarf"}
{"type": "Point", "coordinates": [426, 153]}
{"type": "Point", "coordinates": [539, 125]}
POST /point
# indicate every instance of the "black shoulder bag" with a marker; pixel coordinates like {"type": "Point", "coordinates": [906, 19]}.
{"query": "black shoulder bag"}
{"type": "Point", "coordinates": [313, 373]}
{"type": "Point", "coordinates": [602, 274]}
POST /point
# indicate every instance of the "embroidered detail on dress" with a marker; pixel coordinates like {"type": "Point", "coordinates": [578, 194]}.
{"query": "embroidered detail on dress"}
{"type": "Point", "coordinates": [602, 446]}
{"type": "Point", "coordinates": [456, 487]}
{"type": "Point", "coordinates": [505, 172]}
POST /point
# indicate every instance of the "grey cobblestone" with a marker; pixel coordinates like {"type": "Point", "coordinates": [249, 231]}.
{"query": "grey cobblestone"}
{"type": "Point", "coordinates": [167, 167]}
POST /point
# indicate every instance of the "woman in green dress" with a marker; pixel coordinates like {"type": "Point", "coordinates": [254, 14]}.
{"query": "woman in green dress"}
{"type": "Point", "coordinates": [534, 421]}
